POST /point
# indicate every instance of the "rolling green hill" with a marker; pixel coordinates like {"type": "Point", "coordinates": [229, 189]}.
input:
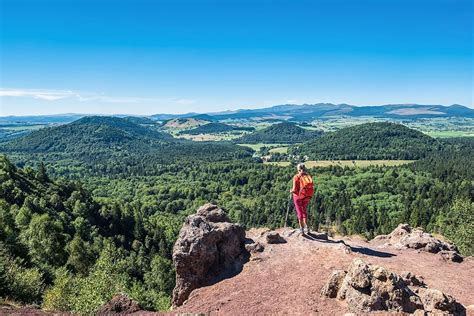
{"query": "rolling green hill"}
{"type": "Point", "coordinates": [279, 133]}
{"type": "Point", "coordinates": [369, 141]}
{"type": "Point", "coordinates": [110, 145]}
{"type": "Point", "coordinates": [213, 128]}
{"type": "Point", "coordinates": [95, 133]}
{"type": "Point", "coordinates": [140, 120]}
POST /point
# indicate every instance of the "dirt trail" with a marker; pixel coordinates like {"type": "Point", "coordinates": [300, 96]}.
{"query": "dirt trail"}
{"type": "Point", "coordinates": [286, 279]}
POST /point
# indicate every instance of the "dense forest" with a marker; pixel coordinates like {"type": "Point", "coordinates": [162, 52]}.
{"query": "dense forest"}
{"type": "Point", "coordinates": [212, 128]}
{"type": "Point", "coordinates": [62, 248]}
{"type": "Point", "coordinates": [368, 141]}
{"type": "Point", "coordinates": [76, 230]}
{"type": "Point", "coordinates": [110, 145]}
{"type": "Point", "coordinates": [286, 133]}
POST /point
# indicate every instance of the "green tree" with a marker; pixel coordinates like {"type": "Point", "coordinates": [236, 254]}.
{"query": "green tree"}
{"type": "Point", "coordinates": [459, 226]}
{"type": "Point", "coordinates": [45, 241]}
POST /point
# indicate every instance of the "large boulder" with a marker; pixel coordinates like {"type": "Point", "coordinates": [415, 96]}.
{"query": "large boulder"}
{"type": "Point", "coordinates": [366, 288]}
{"type": "Point", "coordinates": [209, 246]}
{"type": "Point", "coordinates": [405, 236]}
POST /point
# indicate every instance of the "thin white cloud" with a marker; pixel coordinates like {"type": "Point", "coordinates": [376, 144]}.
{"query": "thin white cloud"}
{"type": "Point", "coordinates": [48, 95]}
{"type": "Point", "coordinates": [54, 95]}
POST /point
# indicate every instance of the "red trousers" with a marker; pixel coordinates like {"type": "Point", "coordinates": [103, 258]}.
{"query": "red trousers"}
{"type": "Point", "coordinates": [301, 206]}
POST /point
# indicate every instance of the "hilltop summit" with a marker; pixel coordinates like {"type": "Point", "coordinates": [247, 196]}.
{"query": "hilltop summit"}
{"type": "Point", "coordinates": [288, 277]}
{"type": "Point", "coordinates": [370, 141]}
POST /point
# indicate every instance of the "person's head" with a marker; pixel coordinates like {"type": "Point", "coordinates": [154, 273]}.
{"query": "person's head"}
{"type": "Point", "coordinates": [301, 168]}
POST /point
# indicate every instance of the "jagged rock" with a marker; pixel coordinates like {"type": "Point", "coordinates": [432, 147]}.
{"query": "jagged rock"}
{"type": "Point", "coordinates": [437, 302]}
{"type": "Point", "coordinates": [404, 237]}
{"type": "Point", "coordinates": [359, 274]}
{"type": "Point", "coordinates": [450, 256]}
{"type": "Point", "coordinates": [412, 279]}
{"type": "Point", "coordinates": [119, 305]}
{"type": "Point", "coordinates": [208, 245]}
{"type": "Point", "coordinates": [331, 288]}
{"type": "Point", "coordinates": [396, 234]}
{"type": "Point", "coordinates": [254, 247]}
{"type": "Point", "coordinates": [274, 238]}
{"type": "Point", "coordinates": [367, 288]}
{"type": "Point", "coordinates": [380, 273]}
{"type": "Point", "coordinates": [212, 213]}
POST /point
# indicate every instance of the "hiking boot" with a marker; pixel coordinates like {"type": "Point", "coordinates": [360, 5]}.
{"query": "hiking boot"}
{"type": "Point", "coordinates": [302, 230]}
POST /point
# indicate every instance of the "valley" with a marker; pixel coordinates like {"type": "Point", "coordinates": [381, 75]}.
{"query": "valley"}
{"type": "Point", "coordinates": [100, 200]}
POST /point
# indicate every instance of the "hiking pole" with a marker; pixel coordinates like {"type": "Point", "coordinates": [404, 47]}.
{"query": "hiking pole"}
{"type": "Point", "coordinates": [287, 210]}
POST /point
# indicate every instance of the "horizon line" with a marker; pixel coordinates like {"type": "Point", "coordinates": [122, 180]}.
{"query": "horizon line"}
{"type": "Point", "coordinates": [236, 110]}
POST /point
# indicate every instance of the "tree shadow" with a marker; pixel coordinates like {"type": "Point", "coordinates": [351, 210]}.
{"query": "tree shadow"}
{"type": "Point", "coordinates": [357, 249]}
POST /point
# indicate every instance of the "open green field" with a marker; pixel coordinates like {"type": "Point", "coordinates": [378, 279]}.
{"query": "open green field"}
{"type": "Point", "coordinates": [345, 163]}
{"type": "Point", "coordinates": [448, 134]}
{"type": "Point", "coordinates": [280, 150]}
{"type": "Point", "coordinates": [24, 127]}
{"type": "Point", "coordinates": [209, 137]}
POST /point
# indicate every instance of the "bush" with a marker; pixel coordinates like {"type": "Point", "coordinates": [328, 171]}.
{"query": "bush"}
{"type": "Point", "coordinates": [22, 284]}
{"type": "Point", "coordinates": [150, 299]}
{"type": "Point", "coordinates": [59, 297]}
{"type": "Point", "coordinates": [161, 277]}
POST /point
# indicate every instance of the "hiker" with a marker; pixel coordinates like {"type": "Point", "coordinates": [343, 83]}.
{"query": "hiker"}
{"type": "Point", "coordinates": [303, 191]}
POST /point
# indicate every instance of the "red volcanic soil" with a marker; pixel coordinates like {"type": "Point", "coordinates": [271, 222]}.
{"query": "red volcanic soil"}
{"type": "Point", "coordinates": [286, 279]}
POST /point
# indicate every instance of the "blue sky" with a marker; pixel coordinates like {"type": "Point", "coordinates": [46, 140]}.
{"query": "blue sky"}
{"type": "Point", "coordinates": [145, 57]}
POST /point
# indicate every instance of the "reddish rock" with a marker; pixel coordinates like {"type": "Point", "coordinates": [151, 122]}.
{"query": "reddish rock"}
{"type": "Point", "coordinates": [208, 245]}
{"type": "Point", "coordinates": [366, 288]}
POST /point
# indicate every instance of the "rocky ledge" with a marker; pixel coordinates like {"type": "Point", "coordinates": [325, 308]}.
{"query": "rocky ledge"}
{"type": "Point", "coordinates": [404, 237]}
{"type": "Point", "coordinates": [366, 288]}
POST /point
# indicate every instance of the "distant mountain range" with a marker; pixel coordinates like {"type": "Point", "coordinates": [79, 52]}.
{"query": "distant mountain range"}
{"type": "Point", "coordinates": [292, 112]}
{"type": "Point", "coordinates": [308, 112]}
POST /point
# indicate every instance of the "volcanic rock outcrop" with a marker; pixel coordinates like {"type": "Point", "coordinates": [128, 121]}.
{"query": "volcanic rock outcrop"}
{"type": "Point", "coordinates": [405, 236]}
{"type": "Point", "coordinates": [367, 288]}
{"type": "Point", "coordinates": [209, 246]}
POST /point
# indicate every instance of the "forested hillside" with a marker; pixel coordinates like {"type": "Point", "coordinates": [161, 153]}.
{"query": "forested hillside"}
{"type": "Point", "coordinates": [106, 145]}
{"type": "Point", "coordinates": [60, 247]}
{"type": "Point", "coordinates": [215, 128]}
{"type": "Point", "coordinates": [89, 135]}
{"type": "Point", "coordinates": [285, 132]}
{"type": "Point", "coordinates": [369, 141]}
